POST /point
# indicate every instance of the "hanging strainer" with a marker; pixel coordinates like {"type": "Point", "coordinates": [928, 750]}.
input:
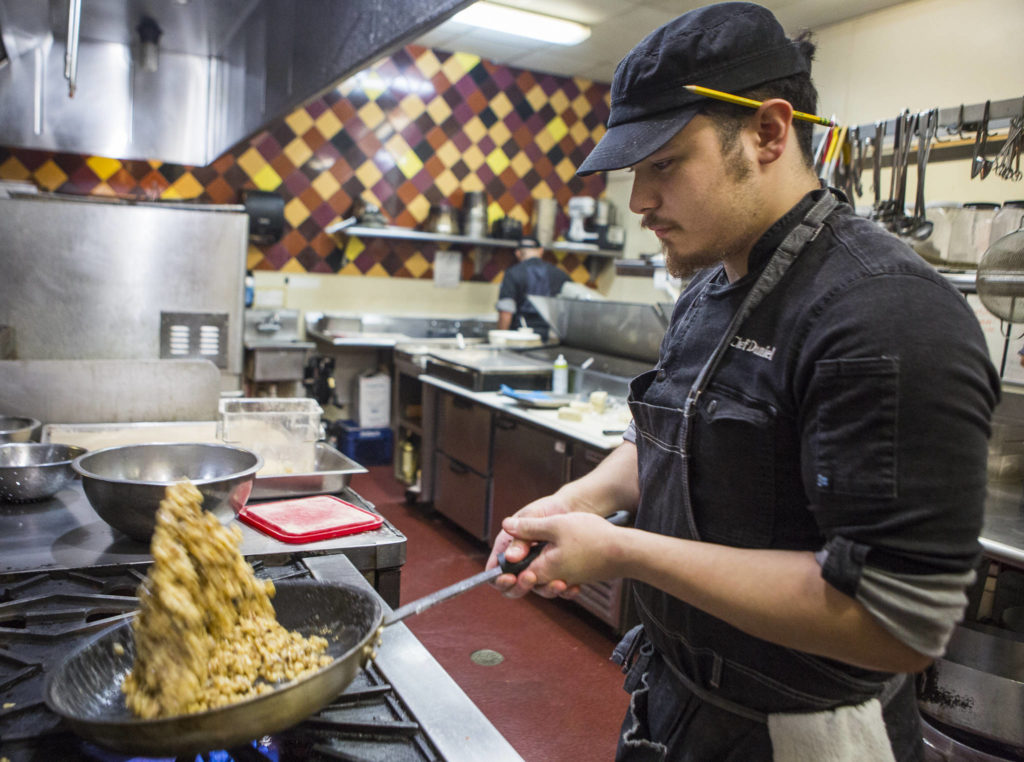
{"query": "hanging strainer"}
{"type": "Point", "coordinates": [1000, 278]}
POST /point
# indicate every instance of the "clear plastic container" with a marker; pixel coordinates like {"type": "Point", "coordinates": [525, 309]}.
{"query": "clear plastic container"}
{"type": "Point", "coordinates": [283, 430]}
{"type": "Point", "coordinates": [1007, 220]}
{"type": "Point", "coordinates": [971, 231]}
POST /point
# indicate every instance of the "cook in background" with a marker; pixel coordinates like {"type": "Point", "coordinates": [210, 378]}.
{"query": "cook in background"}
{"type": "Point", "coordinates": [531, 276]}
{"type": "Point", "coordinates": [807, 475]}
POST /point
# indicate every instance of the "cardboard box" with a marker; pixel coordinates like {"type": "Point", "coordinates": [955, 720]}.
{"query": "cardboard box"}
{"type": "Point", "coordinates": [371, 399]}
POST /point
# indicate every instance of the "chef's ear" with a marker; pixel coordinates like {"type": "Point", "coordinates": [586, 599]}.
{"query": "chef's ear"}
{"type": "Point", "coordinates": [773, 124]}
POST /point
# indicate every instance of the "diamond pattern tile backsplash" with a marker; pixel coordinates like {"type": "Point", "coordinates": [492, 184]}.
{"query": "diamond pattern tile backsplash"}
{"type": "Point", "coordinates": [416, 129]}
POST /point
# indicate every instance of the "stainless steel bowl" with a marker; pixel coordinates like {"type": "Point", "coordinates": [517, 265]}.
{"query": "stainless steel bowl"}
{"type": "Point", "coordinates": [33, 471]}
{"type": "Point", "coordinates": [125, 484]}
{"type": "Point", "coordinates": [19, 429]}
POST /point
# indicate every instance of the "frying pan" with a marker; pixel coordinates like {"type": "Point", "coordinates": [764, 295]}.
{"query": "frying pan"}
{"type": "Point", "coordinates": [85, 689]}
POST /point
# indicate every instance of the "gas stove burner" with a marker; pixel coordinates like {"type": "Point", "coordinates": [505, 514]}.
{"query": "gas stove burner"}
{"type": "Point", "coordinates": [44, 616]}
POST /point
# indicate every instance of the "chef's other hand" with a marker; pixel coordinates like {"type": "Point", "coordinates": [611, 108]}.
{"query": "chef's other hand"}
{"type": "Point", "coordinates": [577, 551]}
{"type": "Point", "coordinates": [516, 550]}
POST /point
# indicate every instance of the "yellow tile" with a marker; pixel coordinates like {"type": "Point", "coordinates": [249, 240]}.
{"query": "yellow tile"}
{"type": "Point", "coordinates": [328, 124]}
{"type": "Point", "coordinates": [102, 190]}
{"type": "Point", "coordinates": [354, 247]}
{"type": "Point", "coordinates": [536, 97]}
{"type": "Point", "coordinates": [295, 212]}
{"type": "Point", "coordinates": [580, 274]}
{"type": "Point", "coordinates": [447, 183]}
{"type": "Point", "coordinates": [103, 168]}
{"type": "Point", "coordinates": [368, 174]}
{"type": "Point", "coordinates": [372, 83]}
{"type": "Point", "coordinates": [581, 106]}
{"type": "Point", "coordinates": [409, 163]}
{"type": "Point", "coordinates": [50, 176]}
{"type": "Point", "coordinates": [501, 105]}
{"type": "Point", "coordinates": [326, 185]}
{"type": "Point", "coordinates": [299, 121]}
{"type": "Point", "coordinates": [497, 161]}
{"type": "Point", "coordinates": [439, 110]}
{"type": "Point", "coordinates": [557, 128]}
{"type": "Point", "coordinates": [428, 64]}
{"type": "Point", "coordinates": [474, 129]}
{"type": "Point", "coordinates": [457, 65]}
{"type": "Point", "coordinates": [448, 154]}
{"type": "Point", "coordinates": [298, 152]}
{"type": "Point", "coordinates": [472, 183]}
{"type": "Point", "coordinates": [579, 132]}
{"type": "Point", "coordinates": [559, 102]}
{"type": "Point", "coordinates": [350, 269]}
{"type": "Point", "coordinates": [378, 271]}
{"type": "Point", "coordinates": [253, 257]}
{"type": "Point", "coordinates": [417, 264]}
{"type": "Point", "coordinates": [293, 266]}
{"type": "Point", "coordinates": [371, 114]}
{"type": "Point", "coordinates": [267, 179]}
{"type": "Point", "coordinates": [499, 133]}
{"type": "Point", "coordinates": [396, 146]}
{"type": "Point", "coordinates": [412, 105]}
{"type": "Point", "coordinates": [371, 198]}
{"type": "Point", "coordinates": [188, 187]}
{"type": "Point", "coordinates": [251, 162]}
{"type": "Point", "coordinates": [474, 158]}
{"type": "Point", "coordinates": [521, 164]}
{"type": "Point", "coordinates": [12, 169]}
{"type": "Point", "coordinates": [468, 61]}
{"type": "Point", "coordinates": [545, 141]}
{"type": "Point", "coordinates": [419, 208]}
{"type": "Point", "coordinates": [542, 190]}
{"type": "Point", "coordinates": [565, 169]}
{"type": "Point", "coordinates": [494, 212]}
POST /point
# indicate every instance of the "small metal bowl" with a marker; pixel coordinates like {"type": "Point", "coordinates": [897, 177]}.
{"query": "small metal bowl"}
{"type": "Point", "coordinates": [34, 471]}
{"type": "Point", "coordinates": [125, 484]}
{"type": "Point", "coordinates": [19, 429]}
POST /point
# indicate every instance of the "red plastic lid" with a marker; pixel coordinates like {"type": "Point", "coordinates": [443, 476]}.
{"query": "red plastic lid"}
{"type": "Point", "coordinates": [308, 519]}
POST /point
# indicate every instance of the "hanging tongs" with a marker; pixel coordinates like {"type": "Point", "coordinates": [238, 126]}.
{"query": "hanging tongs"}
{"type": "Point", "coordinates": [979, 164]}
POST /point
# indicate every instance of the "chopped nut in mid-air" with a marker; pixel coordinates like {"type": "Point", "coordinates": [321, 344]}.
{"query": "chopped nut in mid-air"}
{"type": "Point", "coordinates": [206, 634]}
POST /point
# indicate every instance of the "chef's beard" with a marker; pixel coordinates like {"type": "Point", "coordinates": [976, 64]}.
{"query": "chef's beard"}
{"type": "Point", "coordinates": [738, 170]}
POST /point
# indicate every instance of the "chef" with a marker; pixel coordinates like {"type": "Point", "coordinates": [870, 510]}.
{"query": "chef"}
{"type": "Point", "coordinates": [807, 474]}
{"type": "Point", "coordinates": [531, 276]}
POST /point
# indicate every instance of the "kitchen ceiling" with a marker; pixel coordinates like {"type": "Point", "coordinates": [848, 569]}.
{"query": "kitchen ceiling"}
{"type": "Point", "coordinates": [616, 25]}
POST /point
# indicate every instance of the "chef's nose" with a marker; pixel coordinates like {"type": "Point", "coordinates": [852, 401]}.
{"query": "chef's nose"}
{"type": "Point", "coordinates": [641, 198]}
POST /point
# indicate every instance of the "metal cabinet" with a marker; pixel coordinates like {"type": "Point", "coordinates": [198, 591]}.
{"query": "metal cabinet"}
{"type": "Point", "coordinates": [462, 463]}
{"type": "Point", "coordinates": [528, 463]}
{"type": "Point", "coordinates": [610, 601]}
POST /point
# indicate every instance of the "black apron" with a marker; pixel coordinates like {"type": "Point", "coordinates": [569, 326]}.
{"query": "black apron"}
{"type": "Point", "coordinates": [739, 675]}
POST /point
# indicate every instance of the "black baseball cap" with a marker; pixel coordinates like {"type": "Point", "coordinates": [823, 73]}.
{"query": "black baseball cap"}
{"type": "Point", "coordinates": [726, 46]}
{"type": "Point", "coordinates": [528, 242]}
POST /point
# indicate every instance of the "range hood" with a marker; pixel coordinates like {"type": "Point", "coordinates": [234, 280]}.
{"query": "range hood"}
{"type": "Point", "coordinates": [182, 81]}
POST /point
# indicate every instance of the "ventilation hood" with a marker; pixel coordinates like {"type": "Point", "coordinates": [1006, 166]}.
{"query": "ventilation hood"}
{"type": "Point", "coordinates": [182, 81]}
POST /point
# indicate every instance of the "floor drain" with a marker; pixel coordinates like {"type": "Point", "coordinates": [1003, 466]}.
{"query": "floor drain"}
{"type": "Point", "coordinates": [485, 657]}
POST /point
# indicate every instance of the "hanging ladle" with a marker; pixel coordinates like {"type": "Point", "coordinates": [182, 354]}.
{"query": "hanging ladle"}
{"type": "Point", "coordinates": [921, 228]}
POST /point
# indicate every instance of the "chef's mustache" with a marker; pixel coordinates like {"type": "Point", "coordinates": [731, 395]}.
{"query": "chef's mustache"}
{"type": "Point", "coordinates": [654, 222]}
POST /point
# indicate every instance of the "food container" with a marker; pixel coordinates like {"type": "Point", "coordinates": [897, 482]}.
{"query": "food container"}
{"type": "Point", "coordinates": [282, 430]}
{"type": "Point", "coordinates": [1007, 220]}
{"type": "Point", "coordinates": [970, 233]}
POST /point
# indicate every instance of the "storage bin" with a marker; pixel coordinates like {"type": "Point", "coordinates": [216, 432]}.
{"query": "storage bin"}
{"type": "Point", "coordinates": [367, 446]}
{"type": "Point", "coordinates": [283, 430]}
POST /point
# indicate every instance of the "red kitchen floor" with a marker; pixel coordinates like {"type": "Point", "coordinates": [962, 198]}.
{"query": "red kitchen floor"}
{"type": "Point", "coordinates": [555, 697]}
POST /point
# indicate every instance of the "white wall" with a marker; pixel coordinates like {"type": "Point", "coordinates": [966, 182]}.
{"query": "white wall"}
{"type": "Point", "coordinates": [921, 55]}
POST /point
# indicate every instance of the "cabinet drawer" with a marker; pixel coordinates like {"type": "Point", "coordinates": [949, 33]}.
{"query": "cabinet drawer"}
{"type": "Point", "coordinates": [609, 602]}
{"type": "Point", "coordinates": [462, 495]}
{"type": "Point", "coordinates": [464, 432]}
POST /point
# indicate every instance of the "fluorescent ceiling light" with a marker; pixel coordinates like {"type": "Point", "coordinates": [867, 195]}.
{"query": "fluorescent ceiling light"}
{"type": "Point", "coordinates": [536, 26]}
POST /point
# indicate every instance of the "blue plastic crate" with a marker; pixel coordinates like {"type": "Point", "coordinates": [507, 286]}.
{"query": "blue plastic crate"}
{"type": "Point", "coordinates": [366, 446]}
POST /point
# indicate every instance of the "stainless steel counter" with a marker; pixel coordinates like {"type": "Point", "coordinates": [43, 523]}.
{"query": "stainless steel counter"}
{"type": "Point", "coordinates": [1003, 535]}
{"type": "Point", "coordinates": [65, 532]}
{"type": "Point", "coordinates": [588, 431]}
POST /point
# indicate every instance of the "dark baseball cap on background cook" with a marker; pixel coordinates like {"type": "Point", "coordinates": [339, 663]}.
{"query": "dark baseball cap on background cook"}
{"type": "Point", "coordinates": [726, 46]}
{"type": "Point", "coordinates": [526, 242]}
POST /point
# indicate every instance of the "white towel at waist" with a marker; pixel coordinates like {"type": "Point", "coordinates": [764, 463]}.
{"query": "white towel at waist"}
{"type": "Point", "coordinates": [847, 734]}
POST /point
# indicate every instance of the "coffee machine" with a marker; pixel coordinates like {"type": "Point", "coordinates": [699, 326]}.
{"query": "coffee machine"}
{"type": "Point", "coordinates": [593, 221]}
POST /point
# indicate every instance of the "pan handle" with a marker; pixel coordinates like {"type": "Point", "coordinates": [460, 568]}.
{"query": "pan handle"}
{"type": "Point", "coordinates": [619, 518]}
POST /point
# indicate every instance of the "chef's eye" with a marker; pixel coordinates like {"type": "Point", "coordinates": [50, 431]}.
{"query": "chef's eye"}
{"type": "Point", "coordinates": [661, 165]}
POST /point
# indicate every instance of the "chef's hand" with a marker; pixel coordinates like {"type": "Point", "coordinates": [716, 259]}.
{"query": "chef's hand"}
{"type": "Point", "coordinates": [577, 551]}
{"type": "Point", "coordinates": [516, 550]}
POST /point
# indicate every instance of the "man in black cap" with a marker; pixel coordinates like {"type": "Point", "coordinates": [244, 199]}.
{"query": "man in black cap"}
{"type": "Point", "coordinates": [532, 275]}
{"type": "Point", "coordinates": [807, 476]}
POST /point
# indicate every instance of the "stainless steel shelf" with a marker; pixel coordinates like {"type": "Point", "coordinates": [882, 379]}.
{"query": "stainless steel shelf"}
{"type": "Point", "coordinates": [407, 234]}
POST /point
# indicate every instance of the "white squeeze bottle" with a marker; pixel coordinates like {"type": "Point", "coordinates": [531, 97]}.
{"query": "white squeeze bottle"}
{"type": "Point", "coordinates": [560, 376]}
